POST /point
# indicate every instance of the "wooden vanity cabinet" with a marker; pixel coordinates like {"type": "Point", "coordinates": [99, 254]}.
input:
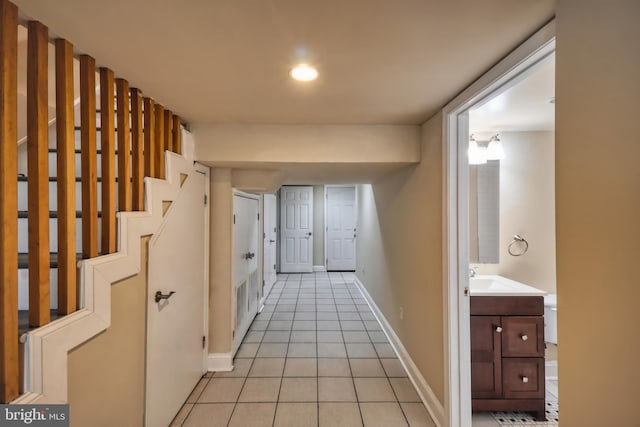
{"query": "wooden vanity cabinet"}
{"type": "Point", "coordinates": [507, 354]}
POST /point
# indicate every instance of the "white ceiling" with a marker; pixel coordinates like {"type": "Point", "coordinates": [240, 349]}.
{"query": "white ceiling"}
{"type": "Point", "coordinates": [227, 61]}
{"type": "Point", "coordinates": [523, 107]}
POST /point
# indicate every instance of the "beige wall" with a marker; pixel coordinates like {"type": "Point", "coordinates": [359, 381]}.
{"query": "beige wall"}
{"type": "Point", "coordinates": [306, 143]}
{"type": "Point", "coordinates": [399, 253]}
{"type": "Point", "coordinates": [107, 373]}
{"type": "Point", "coordinates": [220, 266]}
{"type": "Point", "coordinates": [598, 209]}
{"type": "Point", "coordinates": [527, 207]}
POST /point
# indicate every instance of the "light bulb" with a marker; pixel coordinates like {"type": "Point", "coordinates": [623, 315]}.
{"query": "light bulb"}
{"type": "Point", "coordinates": [303, 73]}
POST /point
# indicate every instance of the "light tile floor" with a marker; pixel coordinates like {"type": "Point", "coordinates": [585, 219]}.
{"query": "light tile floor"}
{"type": "Point", "coordinates": [315, 356]}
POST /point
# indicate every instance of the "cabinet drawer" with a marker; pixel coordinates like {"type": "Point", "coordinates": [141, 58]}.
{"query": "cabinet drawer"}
{"type": "Point", "coordinates": [522, 336]}
{"type": "Point", "coordinates": [523, 378]}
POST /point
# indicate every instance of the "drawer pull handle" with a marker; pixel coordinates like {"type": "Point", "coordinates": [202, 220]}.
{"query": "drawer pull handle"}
{"type": "Point", "coordinates": [525, 379]}
{"type": "Point", "coordinates": [524, 337]}
{"type": "Point", "coordinates": [498, 329]}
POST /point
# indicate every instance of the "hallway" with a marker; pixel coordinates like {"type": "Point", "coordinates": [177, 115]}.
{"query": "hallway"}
{"type": "Point", "coordinates": [315, 355]}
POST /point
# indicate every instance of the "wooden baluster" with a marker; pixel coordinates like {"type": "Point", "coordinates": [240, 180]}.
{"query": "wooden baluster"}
{"type": "Point", "coordinates": [89, 157]}
{"type": "Point", "coordinates": [149, 138]}
{"type": "Point", "coordinates": [38, 173]}
{"type": "Point", "coordinates": [136, 151]}
{"type": "Point", "coordinates": [177, 135]}
{"type": "Point", "coordinates": [108, 158]}
{"type": "Point", "coordinates": [159, 142]}
{"type": "Point", "coordinates": [168, 124]}
{"type": "Point", "coordinates": [67, 298]}
{"type": "Point", "coordinates": [124, 146]}
{"type": "Point", "coordinates": [9, 365]}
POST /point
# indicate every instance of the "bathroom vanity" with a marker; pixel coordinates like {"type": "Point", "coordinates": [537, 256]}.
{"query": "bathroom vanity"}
{"type": "Point", "coordinates": [507, 346]}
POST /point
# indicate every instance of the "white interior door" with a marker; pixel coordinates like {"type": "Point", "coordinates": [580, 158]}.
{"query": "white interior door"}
{"type": "Point", "coordinates": [270, 237]}
{"type": "Point", "coordinates": [296, 228]}
{"type": "Point", "coordinates": [245, 265]}
{"type": "Point", "coordinates": [341, 228]}
{"type": "Point", "coordinates": [175, 326]}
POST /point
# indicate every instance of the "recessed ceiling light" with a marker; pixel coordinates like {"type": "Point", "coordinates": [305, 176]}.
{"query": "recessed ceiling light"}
{"type": "Point", "coordinates": [303, 73]}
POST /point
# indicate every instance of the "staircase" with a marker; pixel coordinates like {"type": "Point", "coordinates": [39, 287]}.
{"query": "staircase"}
{"type": "Point", "coordinates": [23, 221]}
{"type": "Point", "coordinates": [38, 267]}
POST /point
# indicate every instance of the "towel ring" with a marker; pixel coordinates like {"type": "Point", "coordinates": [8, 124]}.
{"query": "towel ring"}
{"type": "Point", "coordinates": [518, 239]}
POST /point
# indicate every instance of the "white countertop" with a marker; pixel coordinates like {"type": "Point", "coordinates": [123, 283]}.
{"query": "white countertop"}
{"type": "Point", "coordinates": [492, 285]}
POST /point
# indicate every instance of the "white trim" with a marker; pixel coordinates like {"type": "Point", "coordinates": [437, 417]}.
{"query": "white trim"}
{"type": "Point", "coordinates": [47, 348]}
{"type": "Point", "coordinates": [431, 402]}
{"type": "Point", "coordinates": [207, 245]}
{"type": "Point", "coordinates": [455, 216]}
{"type": "Point", "coordinates": [246, 195]}
{"type": "Point", "coordinates": [319, 268]}
{"type": "Point", "coordinates": [220, 362]}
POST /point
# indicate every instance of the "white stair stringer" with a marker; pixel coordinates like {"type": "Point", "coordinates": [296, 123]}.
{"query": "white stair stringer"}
{"type": "Point", "coordinates": [46, 348]}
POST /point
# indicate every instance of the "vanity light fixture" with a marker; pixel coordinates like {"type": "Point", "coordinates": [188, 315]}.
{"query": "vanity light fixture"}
{"type": "Point", "coordinates": [481, 151]}
{"type": "Point", "coordinates": [495, 151]}
{"type": "Point", "coordinates": [303, 73]}
{"type": "Point", "coordinates": [477, 154]}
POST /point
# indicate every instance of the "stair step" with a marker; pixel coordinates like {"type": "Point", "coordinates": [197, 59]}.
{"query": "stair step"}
{"type": "Point", "coordinates": [98, 128]}
{"type": "Point", "coordinates": [23, 260]}
{"type": "Point", "coordinates": [52, 214]}
{"type": "Point", "coordinates": [23, 178]}
{"type": "Point", "coordinates": [23, 203]}
{"type": "Point", "coordinates": [77, 151]}
{"type": "Point", "coordinates": [23, 234]}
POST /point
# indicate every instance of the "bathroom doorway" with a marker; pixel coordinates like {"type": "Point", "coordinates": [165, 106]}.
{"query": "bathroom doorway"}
{"type": "Point", "coordinates": [507, 74]}
{"type": "Point", "coordinates": [512, 248]}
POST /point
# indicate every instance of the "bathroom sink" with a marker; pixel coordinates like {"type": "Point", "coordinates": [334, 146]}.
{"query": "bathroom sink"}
{"type": "Point", "coordinates": [493, 285]}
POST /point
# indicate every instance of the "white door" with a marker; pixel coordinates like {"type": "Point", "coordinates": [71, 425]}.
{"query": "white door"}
{"type": "Point", "coordinates": [245, 265]}
{"type": "Point", "coordinates": [175, 326]}
{"type": "Point", "coordinates": [270, 237]}
{"type": "Point", "coordinates": [341, 228]}
{"type": "Point", "coordinates": [296, 228]}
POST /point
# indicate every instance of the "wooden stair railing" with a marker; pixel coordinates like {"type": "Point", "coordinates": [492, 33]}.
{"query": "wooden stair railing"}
{"type": "Point", "coordinates": [9, 364]}
{"type": "Point", "coordinates": [144, 129]}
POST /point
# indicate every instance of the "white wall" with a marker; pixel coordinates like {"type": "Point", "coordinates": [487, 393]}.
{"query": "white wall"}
{"type": "Point", "coordinates": [527, 208]}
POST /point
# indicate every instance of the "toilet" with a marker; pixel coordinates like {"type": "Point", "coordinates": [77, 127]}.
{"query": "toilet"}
{"type": "Point", "coordinates": [551, 319]}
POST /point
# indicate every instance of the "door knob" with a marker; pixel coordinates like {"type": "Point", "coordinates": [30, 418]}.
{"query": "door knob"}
{"type": "Point", "coordinates": [524, 337]}
{"type": "Point", "coordinates": [160, 296]}
{"type": "Point", "coordinates": [525, 379]}
{"type": "Point", "coordinates": [249, 255]}
{"type": "Point", "coordinates": [310, 233]}
{"type": "Point", "coordinates": [498, 329]}
{"type": "Point", "coordinates": [271, 241]}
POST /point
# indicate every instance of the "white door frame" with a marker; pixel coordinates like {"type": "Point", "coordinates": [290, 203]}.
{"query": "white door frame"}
{"type": "Point", "coordinates": [233, 314]}
{"type": "Point", "coordinates": [266, 233]}
{"type": "Point", "coordinates": [510, 70]}
{"type": "Point", "coordinates": [326, 214]}
{"type": "Point", "coordinates": [206, 171]}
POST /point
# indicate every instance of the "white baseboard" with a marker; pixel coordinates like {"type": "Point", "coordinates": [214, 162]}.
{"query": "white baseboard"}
{"type": "Point", "coordinates": [220, 362]}
{"type": "Point", "coordinates": [319, 268]}
{"type": "Point", "coordinates": [427, 395]}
